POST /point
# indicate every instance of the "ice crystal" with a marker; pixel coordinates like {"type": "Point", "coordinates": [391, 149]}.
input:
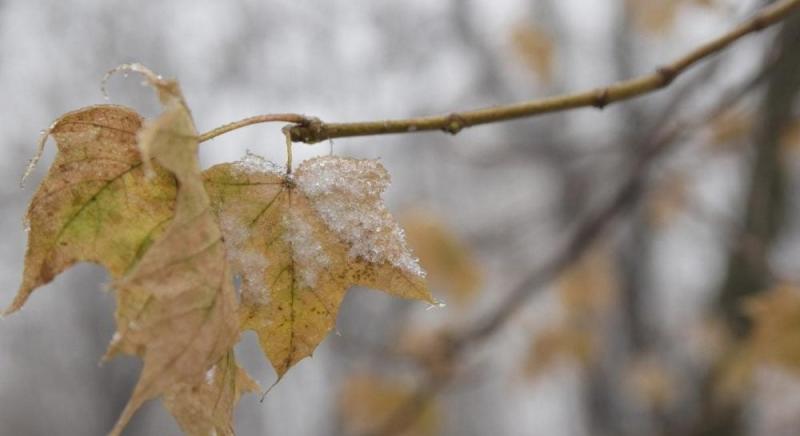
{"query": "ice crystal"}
{"type": "Point", "coordinates": [253, 163]}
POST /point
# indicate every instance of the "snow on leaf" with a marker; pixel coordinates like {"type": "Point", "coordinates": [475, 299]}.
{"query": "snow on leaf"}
{"type": "Point", "coordinates": [94, 204]}
{"type": "Point", "coordinates": [176, 306]}
{"type": "Point", "coordinates": [207, 407]}
{"type": "Point", "coordinates": [300, 242]}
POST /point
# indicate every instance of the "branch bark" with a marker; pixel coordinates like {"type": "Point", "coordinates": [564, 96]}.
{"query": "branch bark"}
{"type": "Point", "coordinates": [313, 130]}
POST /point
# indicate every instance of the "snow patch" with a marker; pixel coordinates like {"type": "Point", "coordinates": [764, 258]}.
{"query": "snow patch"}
{"type": "Point", "coordinates": [210, 375]}
{"type": "Point", "coordinates": [307, 250]}
{"type": "Point", "coordinates": [347, 195]}
{"type": "Point", "coordinates": [250, 264]}
{"type": "Point", "coordinates": [253, 163]}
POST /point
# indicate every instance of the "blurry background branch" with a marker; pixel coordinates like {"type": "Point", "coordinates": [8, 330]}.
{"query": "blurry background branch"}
{"type": "Point", "coordinates": [650, 147]}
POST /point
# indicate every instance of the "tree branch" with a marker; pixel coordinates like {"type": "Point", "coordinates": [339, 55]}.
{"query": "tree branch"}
{"type": "Point", "coordinates": [314, 130]}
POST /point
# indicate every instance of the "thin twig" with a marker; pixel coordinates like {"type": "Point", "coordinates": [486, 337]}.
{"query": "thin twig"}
{"type": "Point", "coordinates": [316, 130]}
{"type": "Point", "coordinates": [312, 130]}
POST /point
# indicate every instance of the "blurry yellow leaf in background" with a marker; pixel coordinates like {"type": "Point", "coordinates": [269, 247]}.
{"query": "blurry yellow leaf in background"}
{"type": "Point", "coordinates": [659, 16]}
{"type": "Point", "coordinates": [537, 49]}
{"type": "Point", "coordinates": [567, 340]}
{"type": "Point", "coordinates": [367, 403]}
{"type": "Point", "coordinates": [776, 327]}
{"type": "Point", "coordinates": [590, 285]}
{"type": "Point", "coordinates": [790, 138]}
{"type": "Point", "coordinates": [773, 340]}
{"type": "Point", "coordinates": [667, 200]}
{"type": "Point", "coordinates": [450, 264]}
{"type": "Point", "coordinates": [428, 348]}
{"type": "Point", "coordinates": [651, 382]}
{"type": "Point", "coordinates": [653, 16]}
{"type": "Point", "coordinates": [586, 289]}
{"type": "Point", "coordinates": [731, 127]}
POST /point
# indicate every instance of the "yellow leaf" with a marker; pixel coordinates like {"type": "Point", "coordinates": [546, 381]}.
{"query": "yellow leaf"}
{"type": "Point", "coordinates": [449, 263]}
{"type": "Point", "coordinates": [300, 242]}
{"type": "Point", "coordinates": [773, 339]}
{"type": "Point", "coordinates": [430, 348]}
{"type": "Point", "coordinates": [176, 307]}
{"type": "Point", "coordinates": [658, 16]}
{"type": "Point", "coordinates": [94, 204]}
{"type": "Point", "coordinates": [654, 16]}
{"type": "Point", "coordinates": [590, 285]}
{"type": "Point", "coordinates": [730, 127]}
{"type": "Point", "coordinates": [775, 336]}
{"type": "Point", "coordinates": [206, 408]}
{"type": "Point", "coordinates": [567, 340]}
{"type": "Point", "coordinates": [790, 138]}
{"type": "Point", "coordinates": [734, 375]}
{"type": "Point", "coordinates": [586, 290]}
{"type": "Point", "coordinates": [537, 49]}
{"type": "Point", "coordinates": [652, 382]}
{"type": "Point", "coordinates": [668, 199]}
{"type": "Point", "coordinates": [369, 402]}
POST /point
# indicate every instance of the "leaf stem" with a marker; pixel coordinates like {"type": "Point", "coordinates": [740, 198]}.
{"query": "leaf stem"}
{"type": "Point", "coordinates": [296, 119]}
{"type": "Point", "coordinates": [288, 136]}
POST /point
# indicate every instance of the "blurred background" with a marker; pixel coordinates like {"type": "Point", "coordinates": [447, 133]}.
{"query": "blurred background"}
{"type": "Point", "coordinates": [681, 317]}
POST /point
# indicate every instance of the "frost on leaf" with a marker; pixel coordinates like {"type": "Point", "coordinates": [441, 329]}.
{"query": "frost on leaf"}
{"type": "Point", "coordinates": [94, 204]}
{"type": "Point", "coordinates": [300, 242]}
{"type": "Point", "coordinates": [176, 307]}
{"type": "Point", "coordinates": [207, 407]}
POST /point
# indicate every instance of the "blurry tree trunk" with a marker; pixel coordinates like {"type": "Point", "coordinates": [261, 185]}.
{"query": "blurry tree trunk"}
{"type": "Point", "coordinates": [628, 333]}
{"type": "Point", "coordinates": [747, 266]}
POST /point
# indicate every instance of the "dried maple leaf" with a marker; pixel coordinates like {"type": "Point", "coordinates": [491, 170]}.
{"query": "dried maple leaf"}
{"type": "Point", "coordinates": [300, 242]}
{"type": "Point", "coordinates": [130, 196]}
{"type": "Point", "coordinates": [176, 306]}
{"type": "Point", "coordinates": [94, 204]}
{"type": "Point", "coordinates": [207, 408]}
